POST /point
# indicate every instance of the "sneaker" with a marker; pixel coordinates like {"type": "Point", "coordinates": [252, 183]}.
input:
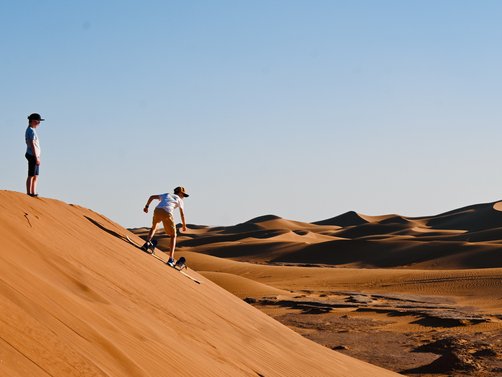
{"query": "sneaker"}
{"type": "Point", "coordinates": [146, 246]}
{"type": "Point", "coordinates": [171, 262]}
{"type": "Point", "coordinates": [180, 263]}
{"type": "Point", "coordinates": [153, 245]}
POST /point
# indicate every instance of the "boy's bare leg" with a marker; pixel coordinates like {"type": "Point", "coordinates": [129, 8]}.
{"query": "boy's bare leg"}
{"type": "Point", "coordinates": [34, 184]}
{"type": "Point", "coordinates": [172, 245]}
{"type": "Point", "coordinates": [151, 233]}
{"type": "Point", "coordinates": [31, 184]}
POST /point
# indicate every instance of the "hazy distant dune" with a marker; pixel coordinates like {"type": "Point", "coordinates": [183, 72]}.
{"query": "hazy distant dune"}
{"type": "Point", "coordinates": [469, 237]}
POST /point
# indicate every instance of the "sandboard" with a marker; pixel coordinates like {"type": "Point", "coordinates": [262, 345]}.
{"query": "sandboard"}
{"type": "Point", "coordinates": [180, 270]}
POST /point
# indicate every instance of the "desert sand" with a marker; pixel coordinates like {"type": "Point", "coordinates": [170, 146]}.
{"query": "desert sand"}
{"type": "Point", "coordinates": [78, 300]}
{"type": "Point", "coordinates": [421, 296]}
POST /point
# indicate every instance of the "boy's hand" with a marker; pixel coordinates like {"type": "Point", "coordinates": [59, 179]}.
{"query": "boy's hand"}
{"type": "Point", "coordinates": [145, 209]}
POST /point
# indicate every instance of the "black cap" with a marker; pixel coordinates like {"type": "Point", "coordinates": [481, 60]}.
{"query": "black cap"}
{"type": "Point", "coordinates": [35, 116]}
{"type": "Point", "coordinates": [181, 189]}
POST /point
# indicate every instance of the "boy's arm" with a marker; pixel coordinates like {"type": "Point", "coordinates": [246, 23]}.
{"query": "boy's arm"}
{"type": "Point", "coordinates": [183, 223]}
{"type": "Point", "coordinates": [150, 199]}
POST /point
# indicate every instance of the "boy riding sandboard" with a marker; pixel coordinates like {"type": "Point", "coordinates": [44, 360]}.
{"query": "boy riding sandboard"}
{"type": "Point", "coordinates": [164, 213]}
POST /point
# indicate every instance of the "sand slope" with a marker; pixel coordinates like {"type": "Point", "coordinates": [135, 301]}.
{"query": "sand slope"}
{"type": "Point", "coordinates": [76, 300]}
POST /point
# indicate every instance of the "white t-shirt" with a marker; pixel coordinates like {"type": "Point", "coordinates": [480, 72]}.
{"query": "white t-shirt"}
{"type": "Point", "coordinates": [31, 135]}
{"type": "Point", "coordinates": [170, 202]}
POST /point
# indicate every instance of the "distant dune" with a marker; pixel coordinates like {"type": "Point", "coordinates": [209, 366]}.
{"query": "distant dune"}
{"type": "Point", "coordinates": [78, 300]}
{"type": "Point", "coordinates": [469, 237]}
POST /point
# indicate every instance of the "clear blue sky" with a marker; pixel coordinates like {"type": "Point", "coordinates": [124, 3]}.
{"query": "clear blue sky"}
{"type": "Point", "coordinates": [302, 109]}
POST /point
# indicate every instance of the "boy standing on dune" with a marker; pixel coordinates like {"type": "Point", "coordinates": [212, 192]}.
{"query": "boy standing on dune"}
{"type": "Point", "coordinates": [164, 212]}
{"type": "Point", "coordinates": [32, 153]}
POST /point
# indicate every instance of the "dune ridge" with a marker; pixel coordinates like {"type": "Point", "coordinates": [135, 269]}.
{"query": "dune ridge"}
{"type": "Point", "coordinates": [468, 237]}
{"type": "Point", "coordinates": [77, 300]}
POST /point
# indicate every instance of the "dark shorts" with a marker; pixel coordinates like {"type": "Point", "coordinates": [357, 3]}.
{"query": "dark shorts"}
{"type": "Point", "coordinates": [33, 168]}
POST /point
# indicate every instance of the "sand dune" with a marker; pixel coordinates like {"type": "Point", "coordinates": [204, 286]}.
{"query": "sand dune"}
{"type": "Point", "coordinates": [77, 300]}
{"type": "Point", "coordinates": [469, 237]}
{"type": "Point", "coordinates": [471, 218]}
{"type": "Point", "coordinates": [486, 283]}
{"type": "Point", "coordinates": [350, 218]}
{"type": "Point", "coordinates": [401, 310]}
{"type": "Point", "coordinates": [243, 287]}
